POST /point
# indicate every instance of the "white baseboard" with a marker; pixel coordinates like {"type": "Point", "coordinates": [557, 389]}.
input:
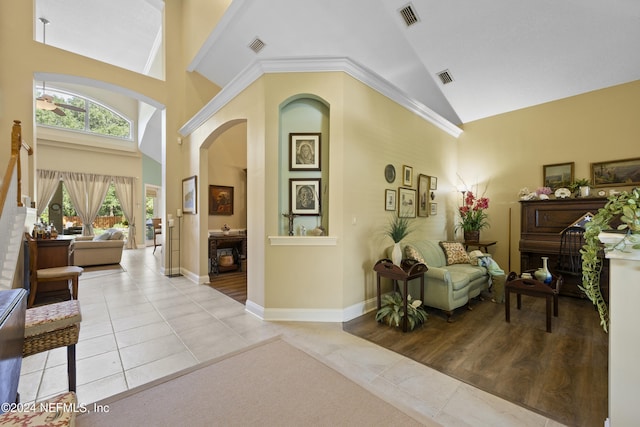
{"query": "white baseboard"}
{"type": "Point", "coordinates": [311, 314]}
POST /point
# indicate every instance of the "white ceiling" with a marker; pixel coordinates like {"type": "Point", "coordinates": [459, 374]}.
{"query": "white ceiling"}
{"type": "Point", "coordinates": [502, 54]}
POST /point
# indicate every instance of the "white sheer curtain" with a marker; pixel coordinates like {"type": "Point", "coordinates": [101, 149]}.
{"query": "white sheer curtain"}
{"type": "Point", "coordinates": [48, 182]}
{"type": "Point", "coordinates": [124, 191]}
{"type": "Point", "coordinates": [87, 192]}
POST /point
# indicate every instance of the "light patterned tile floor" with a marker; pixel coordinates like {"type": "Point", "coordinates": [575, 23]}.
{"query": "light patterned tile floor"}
{"type": "Point", "coordinates": [139, 325]}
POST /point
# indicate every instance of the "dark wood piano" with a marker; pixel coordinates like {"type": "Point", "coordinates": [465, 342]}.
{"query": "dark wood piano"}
{"type": "Point", "coordinates": [542, 221]}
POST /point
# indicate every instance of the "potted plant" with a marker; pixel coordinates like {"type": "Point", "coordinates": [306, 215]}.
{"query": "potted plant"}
{"type": "Point", "coordinates": [624, 206]}
{"type": "Point", "coordinates": [398, 228]}
{"type": "Point", "coordinates": [473, 217]}
{"type": "Point", "coordinates": [581, 185]}
{"type": "Point", "coordinates": [392, 311]}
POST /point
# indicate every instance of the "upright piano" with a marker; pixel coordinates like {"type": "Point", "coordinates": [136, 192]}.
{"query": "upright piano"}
{"type": "Point", "coordinates": [542, 221]}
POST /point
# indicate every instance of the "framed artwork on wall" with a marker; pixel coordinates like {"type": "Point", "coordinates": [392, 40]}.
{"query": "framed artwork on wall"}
{"type": "Point", "coordinates": [190, 195]}
{"type": "Point", "coordinates": [304, 152]}
{"type": "Point", "coordinates": [390, 200]}
{"type": "Point", "coordinates": [407, 176]}
{"type": "Point", "coordinates": [616, 172]}
{"type": "Point", "coordinates": [433, 209]}
{"type": "Point", "coordinates": [423, 195]}
{"type": "Point", "coordinates": [433, 183]}
{"type": "Point", "coordinates": [304, 196]}
{"type": "Point", "coordinates": [406, 202]}
{"type": "Point", "coordinates": [558, 175]}
{"type": "Point", "coordinates": [220, 200]}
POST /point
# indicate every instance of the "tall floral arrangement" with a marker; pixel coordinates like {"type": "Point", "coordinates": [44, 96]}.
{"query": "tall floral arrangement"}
{"type": "Point", "coordinates": [472, 213]}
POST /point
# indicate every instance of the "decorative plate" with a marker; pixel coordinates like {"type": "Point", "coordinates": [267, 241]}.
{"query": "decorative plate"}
{"type": "Point", "coordinates": [562, 193]}
{"type": "Point", "coordinates": [390, 173]}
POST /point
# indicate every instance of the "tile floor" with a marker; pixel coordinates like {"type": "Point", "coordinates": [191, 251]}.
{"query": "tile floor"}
{"type": "Point", "coordinates": [139, 325]}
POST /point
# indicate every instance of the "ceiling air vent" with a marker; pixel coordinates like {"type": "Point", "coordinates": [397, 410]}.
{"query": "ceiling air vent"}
{"type": "Point", "coordinates": [256, 45]}
{"type": "Point", "coordinates": [409, 15]}
{"type": "Point", "coordinates": [445, 77]}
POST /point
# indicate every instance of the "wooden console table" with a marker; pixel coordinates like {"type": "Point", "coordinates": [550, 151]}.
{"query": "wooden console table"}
{"type": "Point", "coordinates": [238, 246]}
{"type": "Point", "coordinates": [54, 253]}
{"type": "Point", "coordinates": [408, 271]}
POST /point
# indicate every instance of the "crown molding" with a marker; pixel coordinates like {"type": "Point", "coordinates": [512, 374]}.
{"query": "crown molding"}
{"type": "Point", "coordinates": [316, 64]}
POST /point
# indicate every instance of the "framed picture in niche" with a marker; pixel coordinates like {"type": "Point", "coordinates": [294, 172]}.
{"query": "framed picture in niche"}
{"type": "Point", "coordinates": [406, 202]}
{"type": "Point", "coordinates": [390, 200]}
{"type": "Point", "coordinates": [558, 175]}
{"type": "Point", "coordinates": [220, 200]}
{"type": "Point", "coordinates": [423, 195]}
{"type": "Point", "coordinates": [304, 196]}
{"type": "Point", "coordinates": [190, 195]}
{"type": "Point", "coordinates": [407, 176]}
{"type": "Point", "coordinates": [304, 152]}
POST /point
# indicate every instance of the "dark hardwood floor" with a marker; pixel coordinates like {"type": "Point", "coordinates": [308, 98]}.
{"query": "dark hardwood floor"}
{"type": "Point", "coordinates": [562, 375]}
{"type": "Point", "coordinates": [232, 284]}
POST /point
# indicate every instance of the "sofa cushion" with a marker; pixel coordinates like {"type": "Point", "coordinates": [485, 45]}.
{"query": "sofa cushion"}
{"type": "Point", "coordinates": [472, 272]}
{"type": "Point", "coordinates": [104, 236]}
{"type": "Point", "coordinates": [117, 235]}
{"type": "Point", "coordinates": [431, 252]}
{"type": "Point", "coordinates": [455, 253]}
{"type": "Point", "coordinates": [410, 252]}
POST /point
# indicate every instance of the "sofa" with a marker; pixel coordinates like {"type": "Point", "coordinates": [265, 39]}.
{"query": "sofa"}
{"type": "Point", "coordinates": [450, 282]}
{"type": "Point", "coordinates": [98, 250]}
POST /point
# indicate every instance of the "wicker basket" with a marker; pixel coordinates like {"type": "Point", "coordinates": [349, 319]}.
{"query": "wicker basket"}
{"type": "Point", "coordinates": [226, 260]}
{"type": "Point", "coordinates": [50, 340]}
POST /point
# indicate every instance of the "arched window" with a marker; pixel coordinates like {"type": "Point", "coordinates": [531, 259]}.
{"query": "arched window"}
{"type": "Point", "coordinates": [100, 120]}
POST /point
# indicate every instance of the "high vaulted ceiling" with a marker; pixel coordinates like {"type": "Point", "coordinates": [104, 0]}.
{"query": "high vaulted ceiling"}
{"type": "Point", "coordinates": [502, 55]}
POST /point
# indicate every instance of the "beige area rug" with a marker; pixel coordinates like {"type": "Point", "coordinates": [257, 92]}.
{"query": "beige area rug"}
{"type": "Point", "coordinates": [269, 384]}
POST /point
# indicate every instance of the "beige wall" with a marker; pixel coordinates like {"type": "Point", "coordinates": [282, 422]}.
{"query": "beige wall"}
{"type": "Point", "coordinates": [227, 158]}
{"type": "Point", "coordinates": [367, 131]}
{"type": "Point", "coordinates": [181, 92]}
{"type": "Point", "coordinates": [509, 150]}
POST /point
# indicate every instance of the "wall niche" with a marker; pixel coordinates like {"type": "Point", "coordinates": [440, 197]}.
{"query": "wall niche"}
{"type": "Point", "coordinates": [304, 166]}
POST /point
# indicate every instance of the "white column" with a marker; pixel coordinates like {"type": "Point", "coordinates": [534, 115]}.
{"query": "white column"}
{"type": "Point", "coordinates": [624, 337]}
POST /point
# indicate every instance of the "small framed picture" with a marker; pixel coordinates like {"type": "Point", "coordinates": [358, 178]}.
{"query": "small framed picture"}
{"type": "Point", "coordinates": [433, 209]}
{"type": "Point", "coordinates": [390, 200]}
{"type": "Point", "coordinates": [406, 202]}
{"type": "Point", "coordinates": [407, 176]}
{"type": "Point", "coordinates": [190, 195]}
{"type": "Point", "coordinates": [304, 151]}
{"type": "Point", "coordinates": [558, 175]}
{"type": "Point", "coordinates": [423, 195]}
{"type": "Point", "coordinates": [433, 183]}
{"type": "Point", "coordinates": [220, 200]}
{"type": "Point", "coordinates": [304, 196]}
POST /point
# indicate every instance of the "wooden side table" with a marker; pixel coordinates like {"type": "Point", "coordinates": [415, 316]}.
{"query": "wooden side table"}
{"type": "Point", "coordinates": [534, 288]}
{"type": "Point", "coordinates": [410, 270]}
{"type": "Point", "coordinates": [480, 245]}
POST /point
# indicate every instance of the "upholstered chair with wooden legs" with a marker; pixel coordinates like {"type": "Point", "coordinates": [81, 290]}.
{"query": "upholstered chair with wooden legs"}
{"type": "Point", "coordinates": [70, 273]}
{"type": "Point", "coordinates": [157, 231]}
